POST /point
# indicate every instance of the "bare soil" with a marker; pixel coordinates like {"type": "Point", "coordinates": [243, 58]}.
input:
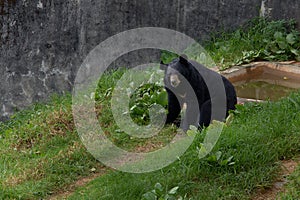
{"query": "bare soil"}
{"type": "Point", "coordinates": [65, 193]}
{"type": "Point", "coordinates": [287, 167]}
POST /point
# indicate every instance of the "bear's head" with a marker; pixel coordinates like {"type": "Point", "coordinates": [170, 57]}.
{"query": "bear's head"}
{"type": "Point", "coordinates": [176, 72]}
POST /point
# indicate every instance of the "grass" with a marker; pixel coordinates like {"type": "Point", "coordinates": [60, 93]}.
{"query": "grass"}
{"type": "Point", "coordinates": [42, 154]}
{"type": "Point", "coordinates": [259, 136]}
{"type": "Point", "coordinates": [292, 189]}
{"type": "Point", "coordinates": [258, 39]}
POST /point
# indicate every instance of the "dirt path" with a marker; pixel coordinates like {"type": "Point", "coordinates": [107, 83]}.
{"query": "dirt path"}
{"type": "Point", "coordinates": [69, 190]}
{"type": "Point", "coordinates": [65, 193]}
{"type": "Point", "coordinates": [288, 167]}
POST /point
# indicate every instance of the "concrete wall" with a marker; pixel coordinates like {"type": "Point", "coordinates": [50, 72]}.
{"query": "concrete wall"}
{"type": "Point", "coordinates": [43, 42]}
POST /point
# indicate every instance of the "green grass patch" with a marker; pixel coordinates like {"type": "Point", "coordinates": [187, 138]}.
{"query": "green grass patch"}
{"type": "Point", "coordinates": [41, 152]}
{"type": "Point", "coordinates": [258, 39]}
{"type": "Point", "coordinates": [245, 159]}
{"type": "Point", "coordinates": [293, 187]}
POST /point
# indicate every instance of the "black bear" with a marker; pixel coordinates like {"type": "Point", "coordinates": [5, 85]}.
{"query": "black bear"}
{"type": "Point", "coordinates": [186, 82]}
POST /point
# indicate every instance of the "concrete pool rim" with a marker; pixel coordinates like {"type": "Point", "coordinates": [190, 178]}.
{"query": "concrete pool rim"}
{"type": "Point", "coordinates": [238, 73]}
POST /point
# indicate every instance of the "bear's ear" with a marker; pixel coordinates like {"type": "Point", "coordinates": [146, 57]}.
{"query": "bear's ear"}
{"type": "Point", "coordinates": [163, 66]}
{"type": "Point", "coordinates": [183, 59]}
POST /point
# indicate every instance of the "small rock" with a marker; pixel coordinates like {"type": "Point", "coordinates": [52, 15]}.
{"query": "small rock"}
{"type": "Point", "coordinates": [93, 169]}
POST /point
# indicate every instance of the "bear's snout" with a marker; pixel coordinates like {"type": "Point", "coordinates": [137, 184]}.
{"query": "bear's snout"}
{"type": "Point", "coordinates": [174, 80]}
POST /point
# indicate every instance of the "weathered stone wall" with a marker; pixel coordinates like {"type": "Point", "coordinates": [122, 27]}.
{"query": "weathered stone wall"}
{"type": "Point", "coordinates": [278, 9]}
{"type": "Point", "coordinates": [43, 42]}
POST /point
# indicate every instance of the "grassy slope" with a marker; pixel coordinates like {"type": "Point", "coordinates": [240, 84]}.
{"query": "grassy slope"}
{"type": "Point", "coordinates": [258, 138]}
{"type": "Point", "coordinates": [292, 189]}
{"type": "Point", "coordinates": [41, 153]}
